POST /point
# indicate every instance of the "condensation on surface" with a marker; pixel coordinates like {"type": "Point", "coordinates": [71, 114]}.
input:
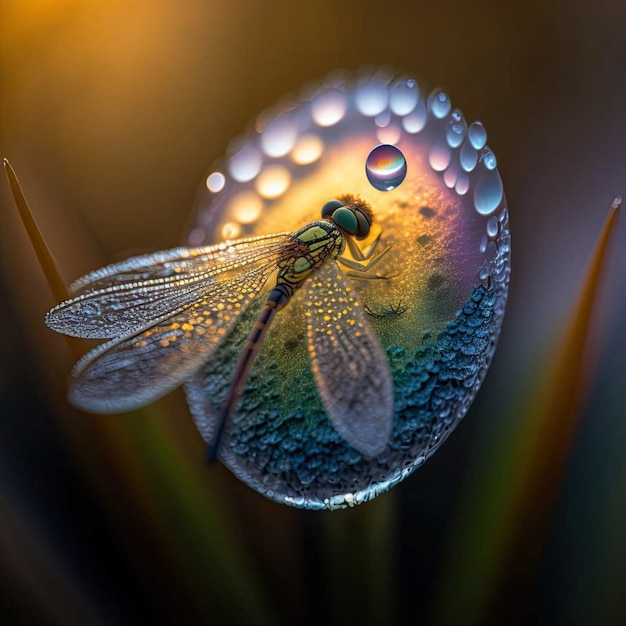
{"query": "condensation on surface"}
{"type": "Point", "coordinates": [437, 316]}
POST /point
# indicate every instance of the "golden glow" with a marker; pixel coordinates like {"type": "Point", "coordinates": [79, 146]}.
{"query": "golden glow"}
{"type": "Point", "coordinates": [245, 207]}
{"type": "Point", "coordinates": [273, 181]}
{"type": "Point", "coordinates": [230, 230]}
{"type": "Point", "coordinates": [308, 150]}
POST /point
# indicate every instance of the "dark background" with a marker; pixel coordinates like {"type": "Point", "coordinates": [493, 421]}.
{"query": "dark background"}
{"type": "Point", "coordinates": [112, 114]}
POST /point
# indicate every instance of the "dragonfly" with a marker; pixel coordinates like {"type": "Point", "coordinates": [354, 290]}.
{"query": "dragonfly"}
{"type": "Point", "coordinates": [165, 313]}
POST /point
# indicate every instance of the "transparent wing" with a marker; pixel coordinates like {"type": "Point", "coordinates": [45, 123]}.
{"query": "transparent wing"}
{"type": "Point", "coordinates": [123, 298]}
{"type": "Point", "coordinates": [127, 373]}
{"type": "Point", "coordinates": [349, 364]}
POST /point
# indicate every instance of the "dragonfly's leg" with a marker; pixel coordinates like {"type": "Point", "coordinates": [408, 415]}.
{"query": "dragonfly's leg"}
{"type": "Point", "coordinates": [361, 269]}
{"type": "Point", "coordinates": [362, 255]}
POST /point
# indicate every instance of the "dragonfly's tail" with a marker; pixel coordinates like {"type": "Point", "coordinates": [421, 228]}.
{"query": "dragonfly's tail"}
{"type": "Point", "coordinates": [275, 301]}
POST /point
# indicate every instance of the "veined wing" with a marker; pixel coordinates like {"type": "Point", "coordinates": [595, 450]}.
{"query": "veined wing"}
{"type": "Point", "coordinates": [124, 298]}
{"type": "Point", "coordinates": [349, 364]}
{"type": "Point", "coordinates": [127, 373]}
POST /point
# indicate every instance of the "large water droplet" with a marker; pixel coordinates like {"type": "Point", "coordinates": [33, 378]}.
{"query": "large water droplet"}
{"type": "Point", "coordinates": [468, 157]}
{"type": "Point", "coordinates": [385, 167]}
{"type": "Point", "coordinates": [245, 164]}
{"type": "Point", "coordinates": [439, 103]}
{"type": "Point", "coordinates": [488, 192]}
{"type": "Point", "coordinates": [477, 135]}
{"type": "Point", "coordinates": [403, 97]}
{"type": "Point", "coordinates": [279, 137]}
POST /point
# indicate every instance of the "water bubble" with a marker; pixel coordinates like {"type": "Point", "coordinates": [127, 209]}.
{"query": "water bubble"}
{"type": "Point", "coordinates": [415, 121]}
{"type": "Point", "coordinates": [245, 164]}
{"type": "Point", "coordinates": [382, 119]}
{"type": "Point", "coordinates": [307, 150]}
{"type": "Point", "coordinates": [215, 182]}
{"type": "Point", "coordinates": [439, 156]}
{"type": "Point", "coordinates": [450, 176]}
{"type": "Point", "coordinates": [477, 135]}
{"type": "Point", "coordinates": [329, 107]}
{"type": "Point", "coordinates": [462, 184]}
{"type": "Point", "coordinates": [455, 132]}
{"type": "Point", "coordinates": [372, 97]}
{"type": "Point", "coordinates": [489, 160]}
{"type": "Point", "coordinates": [492, 226]}
{"type": "Point", "coordinates": [279, 137]}
{"type": "Point", "coordinates": [488, 192]}
{"type": "Point", "coordinates": [439, 103]}
{"type": "Point", "coordinates": [468, 157]}
{"type": "Point", "coordinates": [385, 167]}
{"type": "Point", "coordinates": [273, 181]}
{"type": "Point", "coordinates": [403, 96]}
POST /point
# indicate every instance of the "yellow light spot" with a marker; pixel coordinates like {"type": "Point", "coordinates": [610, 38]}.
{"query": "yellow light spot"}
{"type": "Point", "coordinates": [164, 343]}
{"type": "Point", "coordinates": [273, 181]}
{"type": "Point", "coordinates": [141, 344]}
{"type": "Point", "coordinates": [231, 230]}
{"type": "Point", "coordinates": [187, 327]}
{"type": "Point", "coordinates": [245, 207]}
{"type": "Point", "coordinates": [308, 150]}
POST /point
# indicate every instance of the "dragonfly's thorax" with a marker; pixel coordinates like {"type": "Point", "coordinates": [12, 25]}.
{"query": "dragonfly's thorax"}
{"type": "Point", "coordinates": [308, 249]}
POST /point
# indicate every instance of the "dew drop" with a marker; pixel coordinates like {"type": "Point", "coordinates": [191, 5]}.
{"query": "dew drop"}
{"type": "Point", "coordinates": [439, 103]}
{"type": "Point", "coordinates": [385, 167]}
{"type": "Point", "coordinates": [492, 226]}
{"type": "Point", "coordinates": [455, 132]}
{"type": "Point", "coordinates": [403, 96]}
{"type": "Point", "coordinates": [477, 135]}
{"type": "Point", "coordinates": [372, 97]}
{"type": "Point", "coordinates": [439, 156]}
{"type": "Point", "coordinates": [462, 184]}
{"type": "Point", "coordinates": [488, 192]}
{"type": "Point", "coordinates": [450, 176]}
{"type": "Point", "coordinates": [415, 121]}
{"type": "Point", "coordinates": [489, 159]}
{"type": "Point", "coordinates": [468, 157]}
{"type": "Point", "coordinates": [329, 107]}
{"type": "Point", "coordinates": [215, 182]}
{"type": "Point", "coordinates": [279, 137]}
{"type": "Point", "coordinates": [245, 164]}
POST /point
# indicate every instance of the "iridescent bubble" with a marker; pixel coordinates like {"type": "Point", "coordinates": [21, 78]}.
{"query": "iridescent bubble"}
{"type": "Point", "coordinates": [385, 167]}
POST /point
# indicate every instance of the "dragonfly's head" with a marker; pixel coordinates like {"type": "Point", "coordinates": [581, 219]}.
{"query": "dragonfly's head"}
{"type": "Point", "coordinates": [351, 214]}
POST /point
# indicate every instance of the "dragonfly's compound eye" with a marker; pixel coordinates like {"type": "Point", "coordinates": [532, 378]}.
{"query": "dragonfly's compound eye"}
{"type": "Point", "coordinates": [330, 207]}
{"type": "Point", "coordinates": [346, 220]}
{"type": "Point", "coordinates": [427, 266]}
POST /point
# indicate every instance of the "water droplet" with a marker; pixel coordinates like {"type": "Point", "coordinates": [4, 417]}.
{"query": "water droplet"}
{"type": "Point", "coordinates": [385, 167]}
{"type": "Point", "coordinates": [382, 119]}
{"type": "Point", "coordinates": [462, 184]}
{"type": "Point", "coordinates": [455, 132]}
{"type": "Point", "coordinates": [329, 107]}
{"type": "Point", "coordinates": [279, 137]}
{"type": "Point", "coordinates": [372, 97]}
{"type": "Point", "coordinates": [415, 121]}
{"type": "Point", "coordinates": [245, 164]}
{"type": "Point", "coordinates": [488, 192]}
{"type": "Point", "coordinates": [403, 97]}
{"type": "Point", "coordinates": [439, 103]}
{"type": "Point", "coordinates": [488, 158]}
{"type": "Point", "coordinates": [483, 244]}
{"type": "Point", "coordinates": [468, 157]}
{"type": "Point", "coordinates": [389, 134]}
{"type": "Point", "coordinates": [439, 156]}
{"type": "Point", "coordinates": [492, 226]}
{"type": "Point", "coordinates": [450, 176]}
{"type": "Point", "coordinates": [215, 182]}
{"type": "Point", "coordinates": [477, 135]}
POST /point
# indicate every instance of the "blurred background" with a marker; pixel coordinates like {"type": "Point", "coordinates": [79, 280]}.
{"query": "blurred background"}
{"type": "Point", "coordinates": [111, 114]}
